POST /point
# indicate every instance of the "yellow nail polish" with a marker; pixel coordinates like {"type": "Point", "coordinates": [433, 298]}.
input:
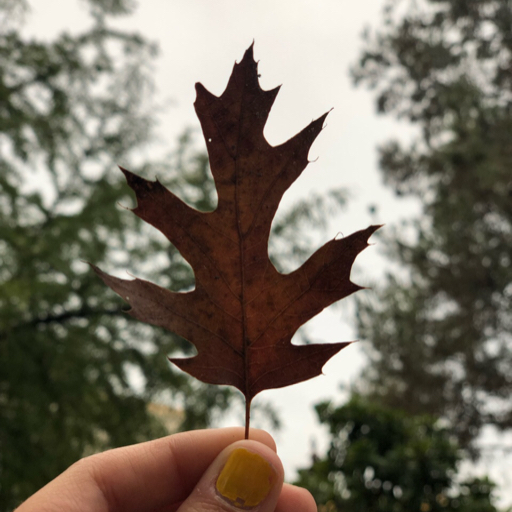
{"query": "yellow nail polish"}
{"type": "Point", "coordinates": [246, 479]}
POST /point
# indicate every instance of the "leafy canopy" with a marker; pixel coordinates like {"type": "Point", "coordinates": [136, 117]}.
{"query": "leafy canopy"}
{"type": "Point", "coordinates": [440, 331]}
{"type": "Point", "coordinates": [70, 108]}
{"type": "Point", "coordinates": [385, 460]}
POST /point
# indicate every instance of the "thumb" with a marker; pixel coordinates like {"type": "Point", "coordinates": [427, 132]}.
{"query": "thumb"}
{"type": "Point", "coordinates": [246, 475]}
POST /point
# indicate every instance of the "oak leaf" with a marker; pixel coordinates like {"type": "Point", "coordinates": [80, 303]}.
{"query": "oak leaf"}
{"type": "Point", "coordinates": [242, 314]}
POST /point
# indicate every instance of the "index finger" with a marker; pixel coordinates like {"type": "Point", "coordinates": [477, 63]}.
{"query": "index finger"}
{"type": "Point", "coordinates": [139, 477]}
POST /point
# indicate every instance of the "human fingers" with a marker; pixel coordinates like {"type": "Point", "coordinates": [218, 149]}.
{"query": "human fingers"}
{"type": "Point", "coordinates": [245, 476]}
{"type": "Point", "coordinates": [291, 499]}
{"type": "Point", "coordinates": [141, 477]}
{"type": "Point", "coordinates": [295, 499]}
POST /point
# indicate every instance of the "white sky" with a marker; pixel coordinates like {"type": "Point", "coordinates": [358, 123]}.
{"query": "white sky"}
{"type": "Point", "coordinates": [308, 46]}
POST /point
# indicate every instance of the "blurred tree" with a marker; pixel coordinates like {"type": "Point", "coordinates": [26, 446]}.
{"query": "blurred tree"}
{"type": "Point", "coordinates": [384, 460]}
{"type": "Point", "coordinates": [76, 373]}
{"type": "Point", "coordinates": [69, 109]}
{"type": "Point", "coordinates": [440, 328]}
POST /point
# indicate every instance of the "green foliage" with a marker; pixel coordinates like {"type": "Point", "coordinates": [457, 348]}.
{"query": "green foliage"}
{"type": "Point", "coordinates": [384, 460]}
{"type": "Point", "coordinates": [440, 331]}
{"type": "Point", "coordinates": [69, 110]}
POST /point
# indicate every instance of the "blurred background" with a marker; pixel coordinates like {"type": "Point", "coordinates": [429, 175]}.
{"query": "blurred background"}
{"type": "Point", "coordinates": [416, 416]}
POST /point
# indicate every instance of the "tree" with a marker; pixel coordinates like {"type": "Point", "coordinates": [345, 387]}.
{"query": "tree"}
{"type": "Point", "coordinates": [440, 329]}
{"type": "Point", "coordinates": [76, 373]}
{"type": "Point", "coordinates": [70, 110]}
{"type": "Point", "coordinates": [384, 460]}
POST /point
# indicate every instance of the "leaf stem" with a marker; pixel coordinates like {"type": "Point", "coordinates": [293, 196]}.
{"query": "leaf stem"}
{"type": "Point", "coordinates": [247, 417]}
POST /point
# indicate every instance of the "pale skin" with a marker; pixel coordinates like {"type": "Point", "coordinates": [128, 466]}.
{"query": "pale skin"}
{"type": "Point", "coordinates": [172, 474]}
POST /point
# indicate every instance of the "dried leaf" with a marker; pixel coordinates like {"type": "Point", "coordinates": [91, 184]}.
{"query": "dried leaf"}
{"type": "Point", "coordinates": [242, 314]}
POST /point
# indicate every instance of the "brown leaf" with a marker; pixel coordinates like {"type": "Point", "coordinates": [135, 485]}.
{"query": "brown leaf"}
{"type": "Point", "coordinates": [242, 314]}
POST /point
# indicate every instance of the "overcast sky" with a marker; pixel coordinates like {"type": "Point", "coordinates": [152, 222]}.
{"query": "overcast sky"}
{"type": "Point", "coordinates": [308, 47]}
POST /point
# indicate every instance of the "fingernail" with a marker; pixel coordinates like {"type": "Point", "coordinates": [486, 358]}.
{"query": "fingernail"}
{"type": "Point", "coordinates": [246, 479]}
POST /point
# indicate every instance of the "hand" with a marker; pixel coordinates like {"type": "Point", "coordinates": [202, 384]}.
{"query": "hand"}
{"type": "Point", "coordinates": [198, 471]}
